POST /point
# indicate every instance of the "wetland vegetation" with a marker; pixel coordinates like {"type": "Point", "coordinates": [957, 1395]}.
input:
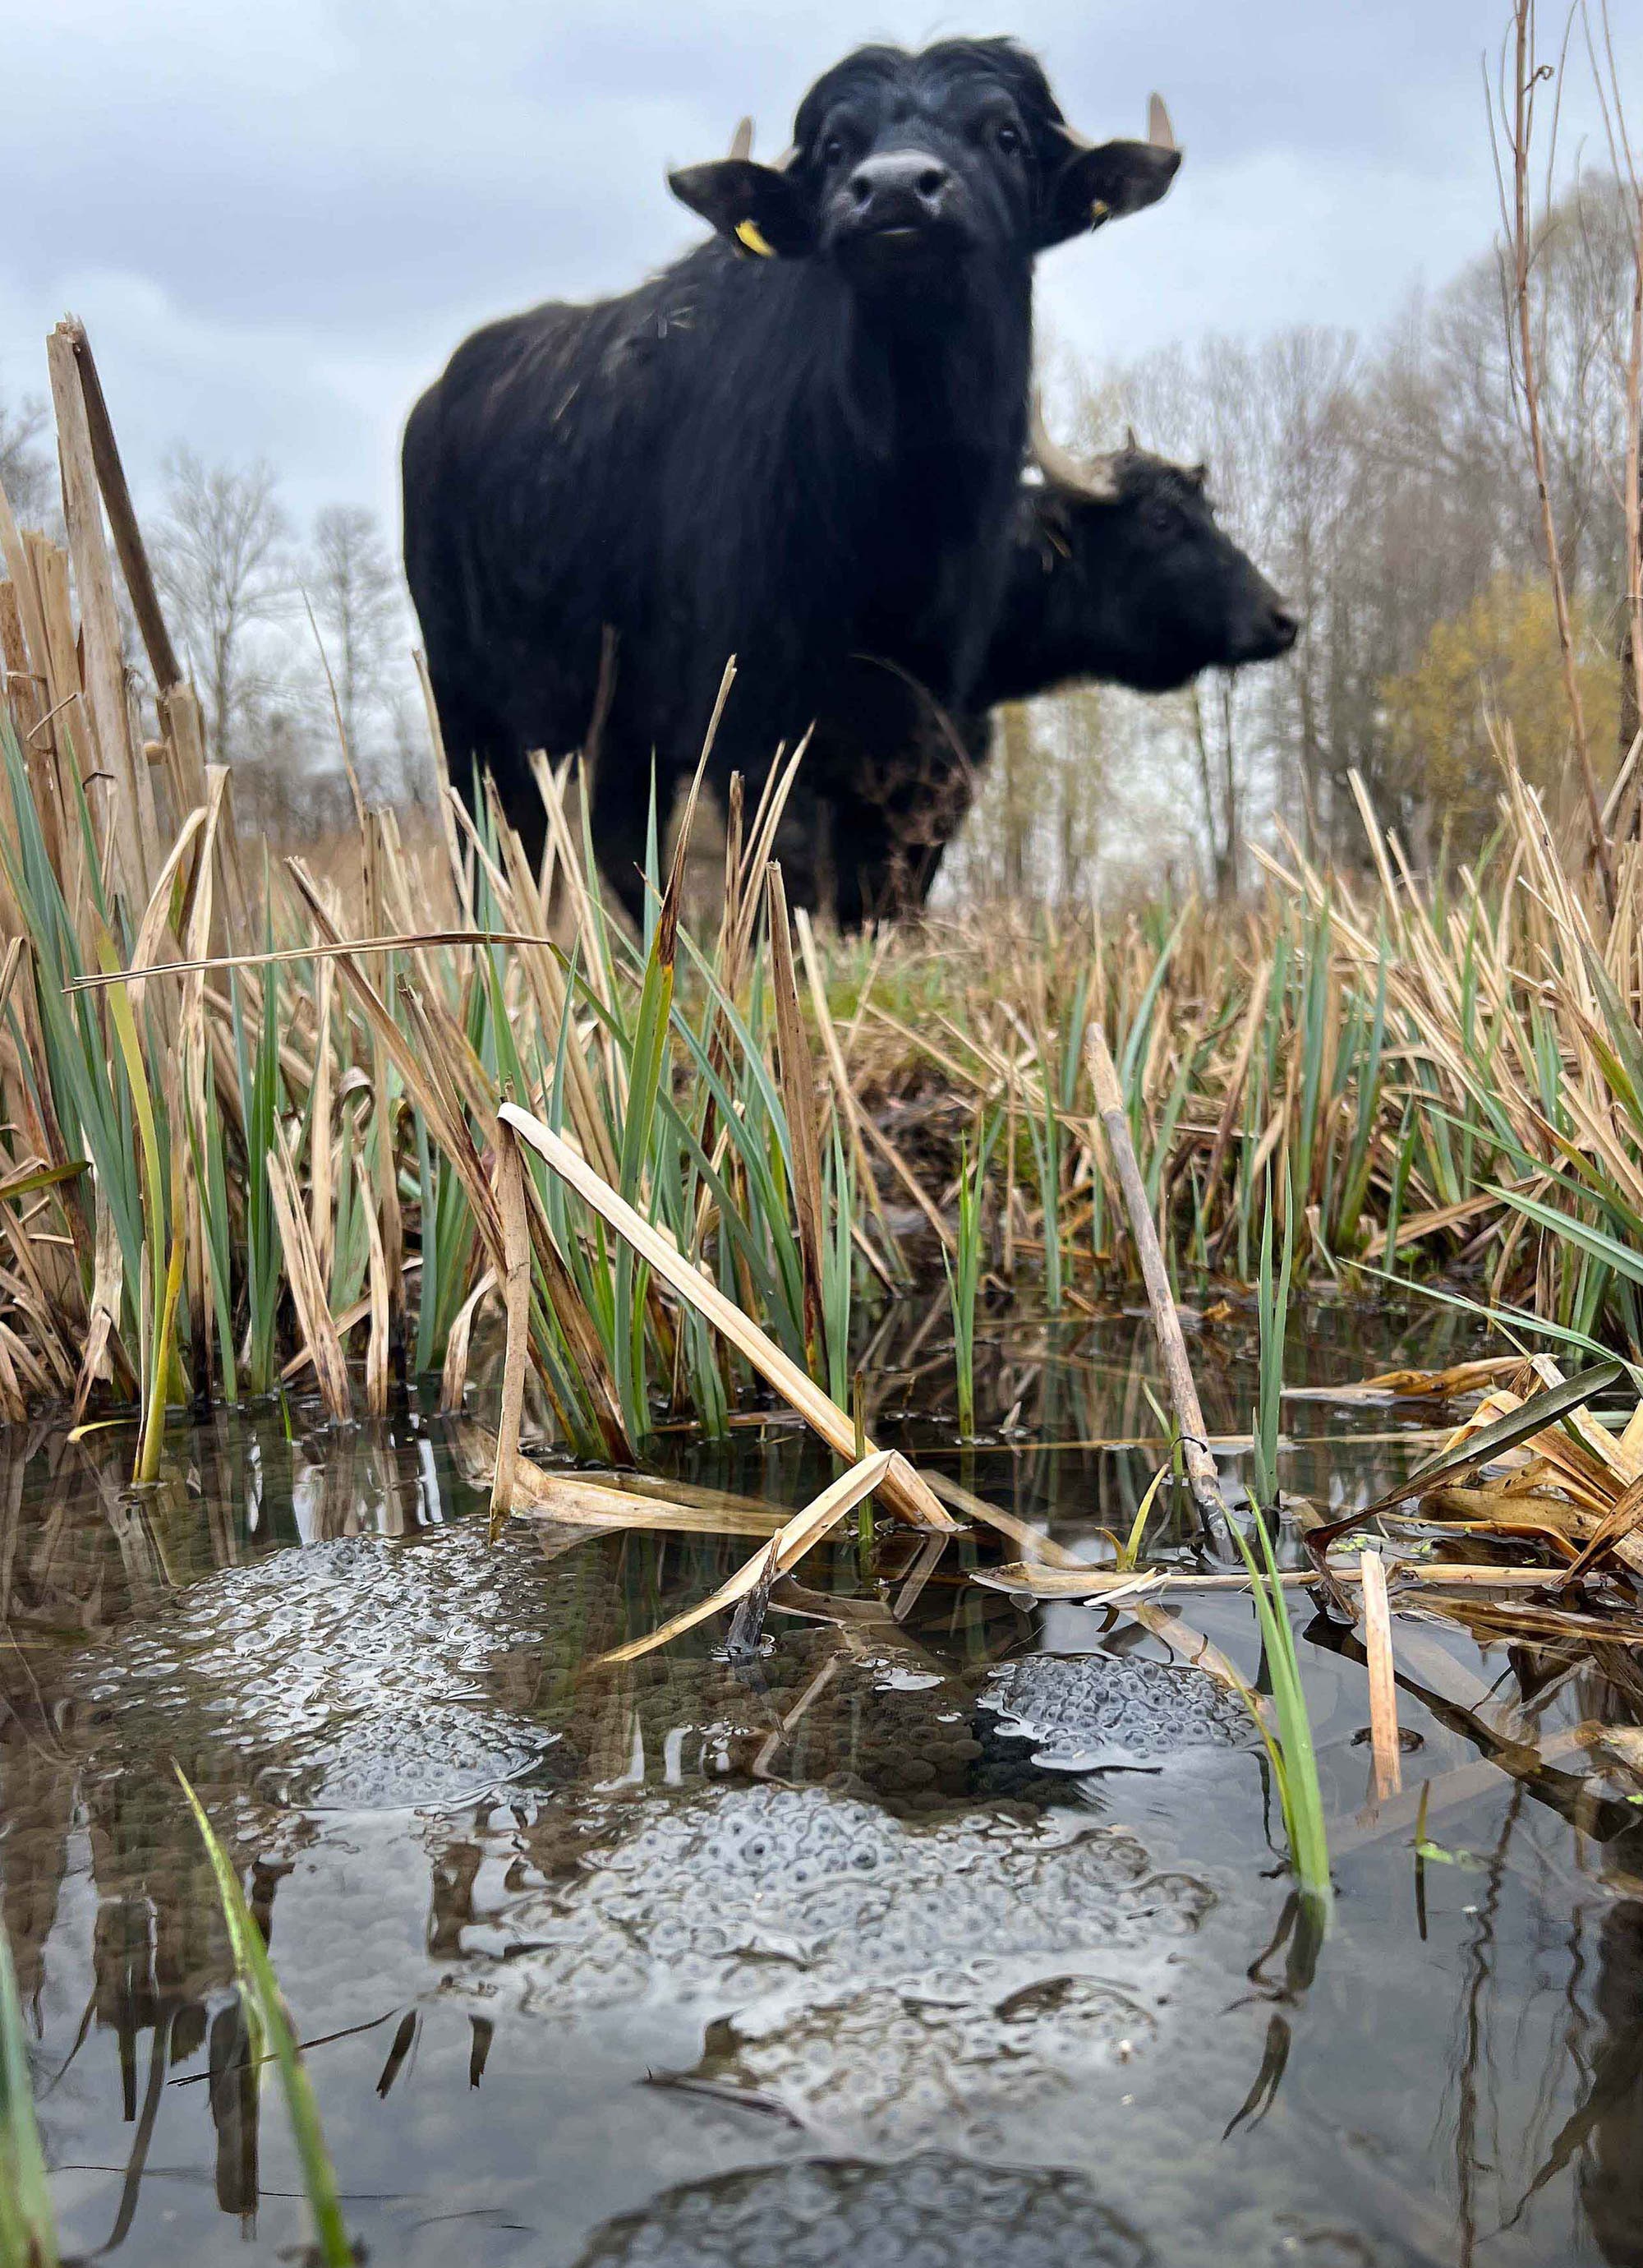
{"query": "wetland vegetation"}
{"type": "Point", "coordinates": [718, 1593]}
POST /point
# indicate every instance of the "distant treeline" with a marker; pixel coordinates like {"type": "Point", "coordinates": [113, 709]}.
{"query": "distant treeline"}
{"type": "Point", "coordinates": [1386, 486]}
{"type": "Point", "coordinates": [297, 640]}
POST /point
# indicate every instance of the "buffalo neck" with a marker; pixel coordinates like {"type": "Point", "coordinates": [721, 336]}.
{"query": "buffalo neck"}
{"type": "Point", "coordinates": [867, 452]}
{"type": "Point", "coordinates": [930, 399]}
{"type": "Point", "coordinates": [943, 376]}
{"type": "Point", "coordinates": [1057, 623]}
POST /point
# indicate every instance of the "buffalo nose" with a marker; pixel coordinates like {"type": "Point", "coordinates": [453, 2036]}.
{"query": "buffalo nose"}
{"type": "Point", "coordinates": [1285, 628]}
{"type": "Point", "coordinates": [903, 188]}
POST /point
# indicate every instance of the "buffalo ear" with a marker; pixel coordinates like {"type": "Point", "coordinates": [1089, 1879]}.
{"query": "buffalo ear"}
{"type": "Point", "coordinates": [1105, 183]}
{"type": "Point", "coordinates": [758, 207]}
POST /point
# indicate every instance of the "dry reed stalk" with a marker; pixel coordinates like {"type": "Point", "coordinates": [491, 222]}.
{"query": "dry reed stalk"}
{"type": "Point", "coordinates": [103, 1310]}
{"type": "Point", "coordinates": [569, 1500]}
{"type": "Point", "coordinates": [845, 1095]}
{"type": "Point", "coordinates": [308, 1290]}
{"type": "Point", "coordinates": [1023, 1580]}
{"type": "Point", "coordinates": [336, 948]}
{"type": "Point", "coordinates": [1466, 1784]}
{"type": "Point", "coordinates": [376, 1344]}
{"type": "Point", "coordinates": [1613, 1531]}
{"type": "Point", "coordinates": [1203, 1479]}
{"type": "Point", "coordinates": [554, 1006]}
{"type": "Point", "coordinates": [421, 1080]}
{"type": "Point", "coordinates": [1188, 1644]}
{"type": "Point", "coordinates": [195, 1057]}
{"type": "Point", "coordinates": [798, 1094]}
{"type": "Point", "coordinates": [905, 1490]}
{"type": "Point", "coordinates": [800, 1535]}
{"type": "Point", "coordinates": [453, 1382]}
{"type": "Point", "coordinates": [13, 1401]}
{"type": "Point", "coordinates": [1377, 1632]}
{"type": "Point", "coordinates": [129, 816]}
{"type": "Point", "coordinates": [1239, 1073]}
{"type": "Point", "coordinates": [123, 519]}
{"type": "Point", "coordinates": [321, 1203]}
{"type": "Point", "coordinates": [378, 850]}
{"type": "Point", "coordinates": [516, 1283]}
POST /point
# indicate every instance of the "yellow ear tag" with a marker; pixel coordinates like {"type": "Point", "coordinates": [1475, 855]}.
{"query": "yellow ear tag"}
{"type": "Point", "coordinates": [750, 233]}
{"type": "Point", "coordinates": [1099, 211]}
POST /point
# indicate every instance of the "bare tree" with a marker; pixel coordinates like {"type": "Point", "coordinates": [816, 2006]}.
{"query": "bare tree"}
{"type": "Point", "coordinates": [1625, 342]}
{"type": "Point", "coordinates": [1521, 76]}
{"type": "Point", "coordinates": [223, 562]}
{"type": "Point", "coordinates": [1036, 830]}
{"type": "Point", "coordinates": [1385, 489]}
{"type": "Point", "coordinates": [25, 468]}
{"type": "Point", "coordinates": [353, 588]}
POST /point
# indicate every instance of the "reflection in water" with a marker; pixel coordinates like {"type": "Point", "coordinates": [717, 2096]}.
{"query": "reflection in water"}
{"type": "Point", "coordinates": [1475, 2080]}
{"type": "Point", "coordinates": [940, 2213]}
{"type": "Point", "coordinates": [881, 1881]}
{"type": "Point", "coordinates": [1299, 1938]}
{"type": "Point", "coordinates": [1606, 2128]}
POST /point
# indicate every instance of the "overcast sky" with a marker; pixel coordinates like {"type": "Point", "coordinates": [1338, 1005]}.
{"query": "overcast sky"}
{"type": "Point", "coordinates": [277, 220]}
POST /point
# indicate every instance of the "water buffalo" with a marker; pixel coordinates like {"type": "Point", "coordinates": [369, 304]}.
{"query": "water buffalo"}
{"type": "Point", "coordinates": [800, 443]}
{"type": "Point", "coordinates": [1118, 572]}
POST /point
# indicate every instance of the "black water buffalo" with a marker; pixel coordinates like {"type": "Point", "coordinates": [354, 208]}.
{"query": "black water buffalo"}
{"type": "Point", "coordinates": [800, 443]}
{"type": "Point", "coordinates": [1117, 573]}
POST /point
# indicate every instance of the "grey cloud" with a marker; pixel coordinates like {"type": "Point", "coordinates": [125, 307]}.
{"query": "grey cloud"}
{"type": "Point", "coordinates": [277, 222]}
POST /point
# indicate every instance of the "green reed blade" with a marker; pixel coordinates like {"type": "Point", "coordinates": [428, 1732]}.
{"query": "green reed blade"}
{"type": "Point", "coordinates": [259, 1989]}
{"type": "Point", "coordinates": [28, 2234]}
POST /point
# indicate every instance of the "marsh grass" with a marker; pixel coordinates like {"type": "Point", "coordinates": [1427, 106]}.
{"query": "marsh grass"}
{"type": "Point", "coordinates": [249, 1105]}
{"type": "Point", "coordinates": [964, 1269]}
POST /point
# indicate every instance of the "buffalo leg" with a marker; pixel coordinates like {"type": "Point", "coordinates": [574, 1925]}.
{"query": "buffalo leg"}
{"type": "Point", "coordinates": [476, 744]}
{"type": "Point", "coordinates": [880, 877]}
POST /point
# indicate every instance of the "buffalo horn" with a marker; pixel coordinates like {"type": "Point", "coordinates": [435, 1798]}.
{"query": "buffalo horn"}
{"type": "Point", "coordinates": [1160, 133]}
{"type": "Point", "coordinates": [1095, 479]}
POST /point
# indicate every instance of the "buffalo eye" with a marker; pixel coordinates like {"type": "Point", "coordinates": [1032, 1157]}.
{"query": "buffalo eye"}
{"type": "Point", "coordinates": [832, 150]}
{"type": "Point", "coordinates": [1009, 140]}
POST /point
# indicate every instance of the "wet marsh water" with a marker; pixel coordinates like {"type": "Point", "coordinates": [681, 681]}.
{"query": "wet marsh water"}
{"type": "Point", "coordinates": [944, 1931]}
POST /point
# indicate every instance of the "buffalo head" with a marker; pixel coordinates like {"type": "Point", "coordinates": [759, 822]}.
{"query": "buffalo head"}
{"type": "Point", "coordinates": [1143, 586]}
{"type": "Point", "coordinates": [904, 166]}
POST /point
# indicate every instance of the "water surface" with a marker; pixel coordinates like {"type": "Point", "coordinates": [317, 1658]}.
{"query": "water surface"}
{"type": "Point", "coordinates": [942, 1931]}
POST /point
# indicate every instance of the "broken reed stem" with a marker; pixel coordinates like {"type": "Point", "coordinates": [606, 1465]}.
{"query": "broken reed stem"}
{"type": "Point", "coordinates": [903, 1489]}
{"type": "Point", "coordinates": [805, 1530]}
{"type": "Point", "coordinates": [1202, 1476]}
{"type": "Point", "coordinates": [1096, 1584]}
{"type": "Point", "coordinates": [798, 1091]}
{"type": "Point", "coordinates": [123, 519]}
{"type": "Point", "coordinates": [510, 1198]}
{"type": "Point", "coordinates": [1377, 1632]}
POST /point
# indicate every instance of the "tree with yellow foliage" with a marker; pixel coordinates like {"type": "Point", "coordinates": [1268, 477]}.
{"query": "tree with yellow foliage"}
{"type": "Point", "coordinates": [1497, 664]}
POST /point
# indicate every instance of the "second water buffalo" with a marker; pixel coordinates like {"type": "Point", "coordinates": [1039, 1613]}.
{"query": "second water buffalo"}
{"type": "Point", "coordinates": [1119, 573]}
